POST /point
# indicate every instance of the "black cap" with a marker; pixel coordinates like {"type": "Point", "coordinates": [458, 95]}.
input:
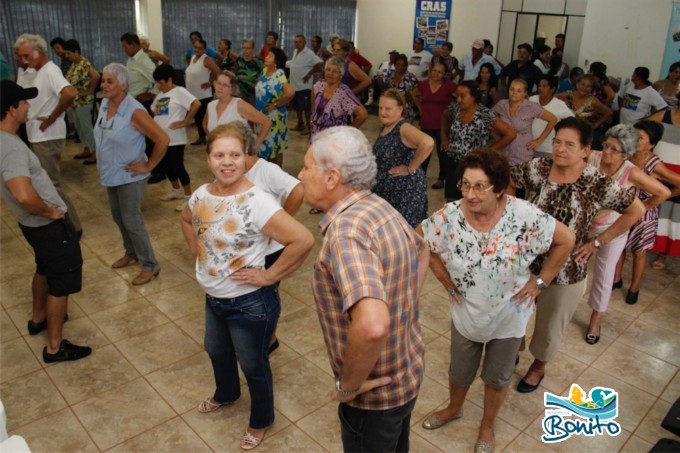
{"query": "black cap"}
{"type": "Point", "coordinates": [12, 93]}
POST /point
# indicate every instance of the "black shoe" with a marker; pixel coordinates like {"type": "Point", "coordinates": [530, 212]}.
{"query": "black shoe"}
{"type": "Point", "coordinates": [274, 346]}
{"type": "Point", "coordinates": [523, 387]}
{"type": "Point", "coordinates": [632, 297]}
{"type": "Point", "coordinates": [200, 141]}
{"type": "Point", "coordinates": [67, 351]}
{"type": "Point", "coordinates": [618, 284]}
{"type": "Point", "coordinates": [34, 328]}
{"type": "Point", "coordinates": [156, 178]}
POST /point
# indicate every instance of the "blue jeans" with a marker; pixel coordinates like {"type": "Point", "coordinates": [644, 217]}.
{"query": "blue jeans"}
{"type": "Point", "coordinates": [369, 431]}
{"type": "Point", "coordinates": [238, 331]}
{"type": "Point", "coordinates": [126, 209]}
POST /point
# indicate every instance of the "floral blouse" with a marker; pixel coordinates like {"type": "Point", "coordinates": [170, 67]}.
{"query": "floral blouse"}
{"type": "Point", "coordinates": [574, 204]}
{"type": "Point", "coordinates": [490, 268]}
{"type": "Point", "coordinates": [463, 138]}
{"type": "Point", "coordinates": [78, 75]}
{"type": "Point", "coordinates": [407, 83]}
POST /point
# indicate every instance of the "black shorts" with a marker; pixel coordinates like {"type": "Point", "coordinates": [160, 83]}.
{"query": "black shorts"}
{"type": "Point", "coordinates": [302, 100]}
{"type": "Point", "coordinates": [57, 256]}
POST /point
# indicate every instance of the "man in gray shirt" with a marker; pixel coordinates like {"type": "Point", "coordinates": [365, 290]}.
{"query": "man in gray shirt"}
{"type": "Point", "coordinates": [43, 222]}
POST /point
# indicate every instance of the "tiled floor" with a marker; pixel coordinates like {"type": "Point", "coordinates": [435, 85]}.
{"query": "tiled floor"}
{"type": "Point", "coordinates": [139, 389]}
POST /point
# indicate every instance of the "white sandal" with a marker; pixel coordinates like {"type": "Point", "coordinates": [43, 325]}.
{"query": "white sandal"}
{"type": "Point", "coordinates": [210, 405]}
{"type": "Point", "coordinates": [248, 441]}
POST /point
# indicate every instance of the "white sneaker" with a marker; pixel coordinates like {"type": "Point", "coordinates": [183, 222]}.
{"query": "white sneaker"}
{"type": "Point", "coordinates": [174, 194]}
{"type": "Point", "coordinates": [180, 207]}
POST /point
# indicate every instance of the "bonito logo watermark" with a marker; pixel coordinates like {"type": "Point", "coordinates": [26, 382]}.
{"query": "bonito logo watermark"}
{"type": "Point", "coordinates": [583, 414]}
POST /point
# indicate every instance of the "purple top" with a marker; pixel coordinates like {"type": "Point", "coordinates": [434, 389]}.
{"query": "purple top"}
{"type": "Point", "coordinates": [336, 111]}
{"type": "Point", "coordinates": [525, 115]}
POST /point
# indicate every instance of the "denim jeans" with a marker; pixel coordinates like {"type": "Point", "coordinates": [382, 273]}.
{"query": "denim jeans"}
{"type": "Point", "coordinates": [238, 330]}
{"type": "Point", "coordinates": [126, 209]}
{"type": "Point", "coordinates": [369, 431]}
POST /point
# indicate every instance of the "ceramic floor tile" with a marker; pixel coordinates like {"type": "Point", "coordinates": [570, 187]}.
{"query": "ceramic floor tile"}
{"type": "Point", "coordinates": [435, 312]}
{"type": "Point", "coordinates": [323, 425]}
{"type": "Point", "coordinates": [83, 331]}
{"type": "Point", "coordinates": [637, 368]}
{"type": "Point", "coordinates": [15, 291]}
{"type": "Point", "coordinates": [16, 359]}
{"type": "Point", "coordinates": [180, 300]}
{"type": "Point", "coordinates": [104, 294]}
{"type": "Point", "coordinates": [44, 399]}
{"type": "Point", "coordinates": [430, 396]}
{"type": "Point", "coordinates": [301, 388]}
{"type": "Point", "coordinates": [320, 358]}
{"type": "Point", "coordinates": [299, 285]}
{"type": "Point", "coordinates": [8, 330]}
{"type": "Point", "coordinates": [142, 406]}
{"type": "Point", "coordinates": [654, 340]}
{"type": "Point", "coordinates": [222, 430]}
{"type": "Point", "coordinates": [461, 434]}
{"type": "Point", "coordinates": [193, 325]}
{"type": "Point", "coordinates": [636, 445]}
{"type": "Point", "coordinates": [419, 445]}
{"type": "Point", "coordinates": [666, 315]}
{"type": "Point", "coordinates": [672, 391]}
{"type": "Point", "coordinates": [104, 369]}
{"type": "Point", "coordinates": [650, 429]}
{"type": "Point", "coordinates": [57, 432]}
{"type": "Point", "coordinates": [170, 277]}
{"type": "Point", "coordinates": [128, 319]}
{"type": "Point", "coordinates": [186, 383]}
{"type": "Point", "coordinates": [291, 438]}
{"type": "Point", "coordinates": [438, 359]}
{"type": "Point", "coordinates": [301, 331]}
{"type": "Point", "coordinates": [157, 348]}
{"type": "Point", "coordinates": [524, 443]}
{"type": "Point", "coordinates": [171, 436]}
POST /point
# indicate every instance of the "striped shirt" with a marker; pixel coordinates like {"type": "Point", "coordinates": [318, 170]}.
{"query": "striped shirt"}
{"type": "Point", "coordinates": [369, 251]}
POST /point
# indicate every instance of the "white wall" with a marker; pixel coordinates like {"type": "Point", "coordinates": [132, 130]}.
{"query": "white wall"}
{"type": "Point", "coordinates": [152, 17]}
{"type": "Point", "coordinates": [624, 34]}
{"type": "Point", "coordinates": [383, 25]}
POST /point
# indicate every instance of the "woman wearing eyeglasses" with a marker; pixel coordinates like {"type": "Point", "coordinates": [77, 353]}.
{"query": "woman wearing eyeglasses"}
{"type": "Point", "coordinates": [573, 192]}
{"type": "Point", "coordinates": [620, 143]}
{"type": "Point", "coordinates": [481, 249]}
{"type": "Point", "coordinates": [120, 132]}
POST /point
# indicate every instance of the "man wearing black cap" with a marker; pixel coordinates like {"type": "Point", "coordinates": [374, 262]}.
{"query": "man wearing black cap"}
{"type": "Point", "coordinates": [41, 212]}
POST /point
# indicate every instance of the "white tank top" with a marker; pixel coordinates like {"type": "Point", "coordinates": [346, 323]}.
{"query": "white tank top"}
{"type": "Point", "coordinates": [230, 114]}
{"type": "Point", "coordinates": [195, 75]}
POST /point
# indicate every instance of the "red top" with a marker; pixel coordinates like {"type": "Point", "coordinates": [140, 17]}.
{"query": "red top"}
{"type": "Point", "coordinates": [434, 104]}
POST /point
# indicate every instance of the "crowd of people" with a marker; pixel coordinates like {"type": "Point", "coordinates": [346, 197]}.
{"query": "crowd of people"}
{"type": "Point", "coordinates": [528, 203]}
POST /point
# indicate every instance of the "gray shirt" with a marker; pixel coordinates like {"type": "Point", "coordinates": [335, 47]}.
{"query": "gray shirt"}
{"type": "Point", "coordinates": [16, 160]}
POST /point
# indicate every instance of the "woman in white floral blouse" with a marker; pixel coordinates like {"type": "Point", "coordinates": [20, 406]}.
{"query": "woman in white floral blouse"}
{"type": "Point", "coordinates": [482, 247]}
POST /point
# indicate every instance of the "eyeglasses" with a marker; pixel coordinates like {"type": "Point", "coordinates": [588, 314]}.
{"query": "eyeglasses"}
{"type": "Point", "coordinates": [612, 148]}
{"type": "Point", "coordinates": [571, 146]}
{"type": "Point", "coordinates": [477, 188]}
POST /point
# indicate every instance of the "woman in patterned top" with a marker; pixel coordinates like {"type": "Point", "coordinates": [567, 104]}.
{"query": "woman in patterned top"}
{"type": "Point", "coordinates": [272, 93]}
{"type": "Point", "coordinates": [403, 81]}
{"type": "Point", "coordinates": [84, 78]}
{"type": "Point", "coordinates": [643, 234]}
{"type": "Point", "coordinates": [573, 192]}
{"type": "Point", "coordinates": [228, 225]}
{"type": "Point", "coordinates": [465, 126]}
{"type": "Point", "coordinates": [482, 247]}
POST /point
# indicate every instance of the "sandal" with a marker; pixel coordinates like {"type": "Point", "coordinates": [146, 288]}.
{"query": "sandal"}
{"type": "Point", "coordinates": [315, 211]}
{"type": "Point", "coordinates": [210, 405]}
{"type": "Point", "coordinates": [434, 421]}
{"type": "Point", "coordinates": [248, 441]}
{"type": "Point", "coordinates": [82, 155]}
{"type": "Point", "coordinates": [658, 265]}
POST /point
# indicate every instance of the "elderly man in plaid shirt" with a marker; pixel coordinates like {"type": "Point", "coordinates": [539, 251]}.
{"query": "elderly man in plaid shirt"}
{"type": "Point", "coordinates": [366, 282]}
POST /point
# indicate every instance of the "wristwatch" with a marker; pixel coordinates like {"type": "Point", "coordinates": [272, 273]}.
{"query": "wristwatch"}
{"type": "Point", "coordinates": [597, 244]}
{"type": "Point", "coordinates": [541, 284]}
{"type": "Point", "coordinates": [342, 392]}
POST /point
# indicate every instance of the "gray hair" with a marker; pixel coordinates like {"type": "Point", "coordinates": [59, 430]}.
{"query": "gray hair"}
{"type": "Point", "coordinates": [248, 135]}
{"type": "Point", "coordinates": [36, 42]}
{"type": "Point", "coordinates": [143, 38]}
{"type": "Point", "coordinates": [336, 61]}
{"type": "Point", "coordinates": [346, 149]}
{"type": "Point", "coordinates": [627, 135]}
{"type": "Point", "coordinates": [120, 72]}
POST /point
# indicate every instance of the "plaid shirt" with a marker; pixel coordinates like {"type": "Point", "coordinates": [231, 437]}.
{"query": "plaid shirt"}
{"type": "Point", "coordinates": [369, 251]}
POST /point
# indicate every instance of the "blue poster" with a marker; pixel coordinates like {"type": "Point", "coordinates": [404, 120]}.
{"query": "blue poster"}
{"type": "Point", "coordinates": [672, 52]}
{"type": "Point", "coordinates": [432, 23]}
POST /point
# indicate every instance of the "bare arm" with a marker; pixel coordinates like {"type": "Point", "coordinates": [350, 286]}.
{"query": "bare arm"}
{"type": "Point", "coordinates": [160, 57]}
{"type": "Point", "coordinates": [195, 105]}
{"type": "Point", "coordinates": [417, 98]}
{"type": "Point", "coordinates": [66, 97]}
{"type": "Point", "coordinates": [445, 124]}
{"type": "Point", "coordinates": [560, 248]}
{"type": "Point", "coordinates": [188, 231]}
{"type": "Point", "coordinates": [412, 137]}
{"type": "Point", "coordinates": [604, 111]}
{"type": "Point", "coordinates": [493, 93]}
{"type": "Point", "coordinates": [253, 115]}
{"type": "Point", "coordinates": [294, 200]}
{"type": "Point", "coordinates": [297, 241]}
{"type": "Point", "coordinates": [23, 192]}
{"type": "Point", "coordinates": [210, 64]}
{"type": "Point", "coordinates": [668, 176]}
{"type": "Point", "coordinates": [147, 126]}
{"type": "Point", "coordinates": [505, 133]}
{"type": "Point", "coordinates": [610, 95]}
{"type": "Point", "coordinates": [551, 120]}
{"type": "Point", "coordinates": [94, 80]}
{"type": "Point", "coordinates": [363, 80]}
{"type": "Point", "coordinates": [360, 115]}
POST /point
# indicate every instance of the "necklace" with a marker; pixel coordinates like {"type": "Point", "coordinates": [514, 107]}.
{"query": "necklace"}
{"type": "Point", "coordinates": [485, 236]}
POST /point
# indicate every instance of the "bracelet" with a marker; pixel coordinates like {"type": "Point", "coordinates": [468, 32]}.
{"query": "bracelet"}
{"type": "Point", "coordinates": [342, 392]}
{"type": "Point", "coordinates": [408, 169]}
